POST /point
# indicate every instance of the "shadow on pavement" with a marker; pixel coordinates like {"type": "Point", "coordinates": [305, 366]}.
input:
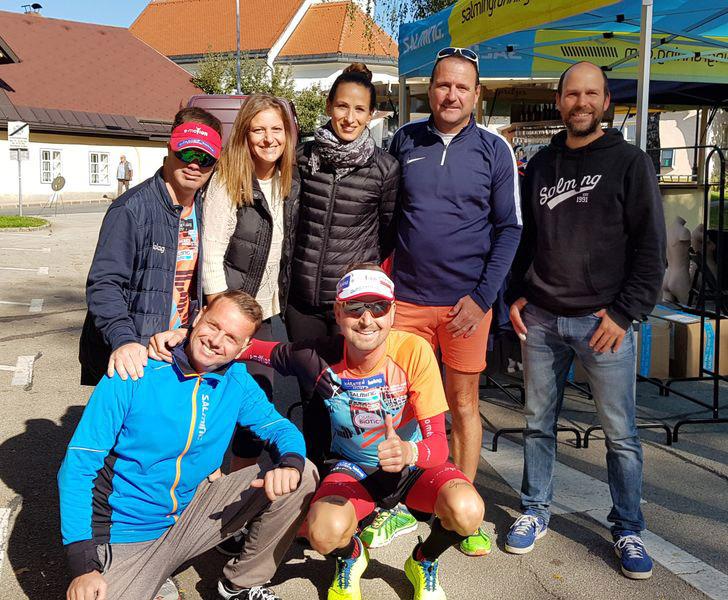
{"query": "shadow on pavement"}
{"type": "Point", "coordinates": [29, 463]}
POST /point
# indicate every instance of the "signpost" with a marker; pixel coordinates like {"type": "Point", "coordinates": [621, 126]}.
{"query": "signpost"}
{"type": "Point", "coordinates": [18, 141]}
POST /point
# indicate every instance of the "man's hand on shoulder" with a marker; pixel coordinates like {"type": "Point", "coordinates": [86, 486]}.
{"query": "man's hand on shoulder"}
{"type": "Point", "coordinates": [394, 454]}
{"type": "Point", "coordinates": [128, 360]}
{"type": "Point", "coordinates": [278, 482]}
{"type": "Point", "coordinates": [466, 316]}
{"type": "Point", "coordinates": [161, 344]}
{"type": "Point", "coordinates": [608, 336]}
{"type": "Point", "coordinates": [91, 586]}
{"type": "Point", "coordinates": [516, 319]}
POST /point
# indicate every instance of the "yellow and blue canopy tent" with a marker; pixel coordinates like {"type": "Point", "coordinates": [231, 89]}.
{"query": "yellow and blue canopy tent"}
{"type": "Point", "coordinates": [687, 40]}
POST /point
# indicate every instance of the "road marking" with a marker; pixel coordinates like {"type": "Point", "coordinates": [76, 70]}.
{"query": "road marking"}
{"type": "Point", "coordinates": [34, 306]}
{"type": "Point", "coordinates": [45, 250]}
{"type": "Point", "coordinates": [38, 271]}
{"type": "Point", "coordinates": [575, 491]}
{"type": "Point", "coordinates": [4, 522]}
{"type": "Point", "coordinates": [22, 371]}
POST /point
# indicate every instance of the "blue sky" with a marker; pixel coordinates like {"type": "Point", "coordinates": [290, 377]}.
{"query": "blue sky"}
{"type": "Point", "coordinates": [105, 12]}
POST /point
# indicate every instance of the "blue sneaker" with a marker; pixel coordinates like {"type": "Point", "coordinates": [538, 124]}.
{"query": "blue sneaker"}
{"type": "Point", "coordinates": [524, 532]}
{"type": "Point", "coordinates": [635, 562]}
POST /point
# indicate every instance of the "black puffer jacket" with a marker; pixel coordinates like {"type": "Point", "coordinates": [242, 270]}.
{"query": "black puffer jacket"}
{"type": "Point", "coordinates": [247, 252]}
{"type": "Point", "coordinates": [350, 220]}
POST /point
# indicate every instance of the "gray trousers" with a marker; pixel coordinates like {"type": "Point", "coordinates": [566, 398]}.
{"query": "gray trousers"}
{"type": "Point", "coordinates": [218, 510]}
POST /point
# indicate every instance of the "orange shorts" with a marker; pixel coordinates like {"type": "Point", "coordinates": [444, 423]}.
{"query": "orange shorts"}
{"type": "Point", "coordinates": [465, 354]}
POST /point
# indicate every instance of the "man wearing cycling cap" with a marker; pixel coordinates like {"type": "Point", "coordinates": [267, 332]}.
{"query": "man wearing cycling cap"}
{"type": "Point", "coordinates": [147, 256]}
{"type": "Point", "coordinates": [383, 393]}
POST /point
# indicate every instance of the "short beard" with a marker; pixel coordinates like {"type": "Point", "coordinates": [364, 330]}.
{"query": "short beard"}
{"type": "Point", "coordinates": [583, 132]}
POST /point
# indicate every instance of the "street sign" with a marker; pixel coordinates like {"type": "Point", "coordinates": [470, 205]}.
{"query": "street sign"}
{"type": "Point", "coordinates": [19, 154]}
{"type": "Point", "coordinates": [18, 135]}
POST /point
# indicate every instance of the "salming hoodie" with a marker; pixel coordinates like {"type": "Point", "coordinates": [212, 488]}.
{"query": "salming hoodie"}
{"type": "Point", "coordinates": [593, 230]}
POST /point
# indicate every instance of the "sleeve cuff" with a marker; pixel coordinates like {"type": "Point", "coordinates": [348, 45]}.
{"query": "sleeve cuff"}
{"type": "Point", "coordinates": [293, 461]}
{"type": "Point", "coordinates": [624, 322]}
{"type": "Point", "coordinates": [83, 558]}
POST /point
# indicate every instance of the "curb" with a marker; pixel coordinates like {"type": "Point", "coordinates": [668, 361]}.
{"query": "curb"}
{"type": "Point", "coordinates": [16, 229]}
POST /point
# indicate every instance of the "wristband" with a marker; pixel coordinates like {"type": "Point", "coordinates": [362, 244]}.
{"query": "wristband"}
{"type": "Point", "coordinates": [415, 454]}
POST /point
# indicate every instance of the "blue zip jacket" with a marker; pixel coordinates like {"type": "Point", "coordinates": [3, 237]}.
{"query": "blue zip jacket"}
{"type": "Point", "coordinates": [460, 219]}
{"type": "Point", "coordinates": [142, 448]}
{"type": "Point", "coordinates": [131, 280]}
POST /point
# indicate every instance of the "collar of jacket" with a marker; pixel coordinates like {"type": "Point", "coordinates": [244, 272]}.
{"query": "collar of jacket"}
{"type": "Point", "coordinates": [166, 199]}
{"type": "Point", "coordinates": [467, 130]}
{"type": "Point", "coordinates": [185, 370]}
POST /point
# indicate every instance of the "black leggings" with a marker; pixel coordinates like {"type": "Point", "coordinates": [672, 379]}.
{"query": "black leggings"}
{"type": "Point", "coordinates": [305, 323]}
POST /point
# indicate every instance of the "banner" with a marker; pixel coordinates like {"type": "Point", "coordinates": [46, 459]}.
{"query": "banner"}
{"type": "Point", "coordinates": [474, 21]}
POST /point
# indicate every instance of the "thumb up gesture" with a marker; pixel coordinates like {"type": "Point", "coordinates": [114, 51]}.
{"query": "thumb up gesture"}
{"type": "Point", "coordinates": [394, 454]}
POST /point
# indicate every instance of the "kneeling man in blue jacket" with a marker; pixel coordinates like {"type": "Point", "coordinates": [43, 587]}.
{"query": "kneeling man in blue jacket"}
{"type": "Point", "coordinates": [136, 499]}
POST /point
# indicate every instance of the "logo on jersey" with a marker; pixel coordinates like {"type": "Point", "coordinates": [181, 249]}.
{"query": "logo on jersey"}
{"type": "Point", "coordinates": [566, 189]}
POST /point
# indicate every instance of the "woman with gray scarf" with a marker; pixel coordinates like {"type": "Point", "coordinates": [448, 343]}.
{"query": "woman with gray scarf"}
{"type": "Point", "coordinates": [346, 215]}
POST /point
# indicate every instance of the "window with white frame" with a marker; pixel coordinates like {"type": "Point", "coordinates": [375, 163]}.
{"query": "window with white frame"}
{"type": "Point", "coordinates": [98, 168]}
{"type": "Point", "coordinates": [50, 165]}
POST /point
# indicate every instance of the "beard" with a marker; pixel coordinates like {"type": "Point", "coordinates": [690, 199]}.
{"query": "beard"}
{"type": "Point", "coordinates": [584, 130]}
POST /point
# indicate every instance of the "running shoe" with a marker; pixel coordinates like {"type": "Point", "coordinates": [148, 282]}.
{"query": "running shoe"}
{"type": "Point", "coordinates": [477, 544]}
{"type": "Point", "coordinates": [524, 532]}
{"type": "Point", "coordinates": [168, 591]}
{"type": "Point", "coordinates": [387, 525]}
{"type": "Point", "coordinates": [225, 591]}
{"type": "Point", "coordinates": [422, 574]}
{"type": "Point", "coordinates": [635, 562]}
{"type": "Point", "coordinates": [345, 585]}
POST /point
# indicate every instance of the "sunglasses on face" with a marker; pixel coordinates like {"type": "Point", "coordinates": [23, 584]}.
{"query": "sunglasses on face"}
{"type": "Point", "coordinates": [354, 308]}
{"type": "Point", "coordinates": [191, 155]}
{"type": "Point", "coordinates": [466, 53]}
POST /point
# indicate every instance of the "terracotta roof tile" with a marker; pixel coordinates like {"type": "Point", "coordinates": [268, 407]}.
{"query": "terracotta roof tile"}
{"type": "Point", "coordinates": [67, 65]}
{"type": "Point", "coordinates": [328, 29]}
{"type": "Point", "coordinates": [190, 27]}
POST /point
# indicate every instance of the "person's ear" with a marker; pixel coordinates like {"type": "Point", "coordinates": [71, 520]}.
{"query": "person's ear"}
{"type": "Point", "coordinates": [199, 316]}
{"type": "Point", "coordinates": [246, 345]}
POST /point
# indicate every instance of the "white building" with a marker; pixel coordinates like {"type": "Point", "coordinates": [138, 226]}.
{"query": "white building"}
{"type": "Point", "coordinates": [316, 39]}
{"type": "Point", "coordinates": [90, 93]}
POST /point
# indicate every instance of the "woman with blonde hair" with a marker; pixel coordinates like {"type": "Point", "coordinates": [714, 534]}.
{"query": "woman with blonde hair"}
{"type": "Point", "coordinates": [249, 224]}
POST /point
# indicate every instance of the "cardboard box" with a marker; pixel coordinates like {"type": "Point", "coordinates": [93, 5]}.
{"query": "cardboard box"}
{"type": "Point", "coordinates": [653, 352]}
{"type": "Point", "coordinates": [685, 351]}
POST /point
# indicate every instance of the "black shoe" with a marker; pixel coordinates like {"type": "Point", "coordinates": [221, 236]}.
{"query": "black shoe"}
{"type": "Point", "coordinates": [258, 592]}
{"type": "Point", "coordinates": [232, 546]}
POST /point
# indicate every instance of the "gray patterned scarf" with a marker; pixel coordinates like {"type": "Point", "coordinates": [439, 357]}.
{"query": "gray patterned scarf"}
{"type": "Point", "coordinates": [343, 157]}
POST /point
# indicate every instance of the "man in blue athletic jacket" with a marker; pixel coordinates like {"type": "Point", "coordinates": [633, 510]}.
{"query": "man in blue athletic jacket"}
{"type": "Point", "coordinates": [136, 500]}
{"type": "Point", "coordinates": [457, 234]}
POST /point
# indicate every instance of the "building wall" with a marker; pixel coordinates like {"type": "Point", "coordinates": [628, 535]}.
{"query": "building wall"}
{"type": "Point", "coordinates": [75, 158]}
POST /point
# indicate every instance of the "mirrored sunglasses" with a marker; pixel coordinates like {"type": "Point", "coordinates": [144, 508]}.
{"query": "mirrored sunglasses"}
{"type": "Point", "coordinates": [466, 53]}
{"type": "Point", "coordinates": [354, 308]}
{"type": "Point", "coordinates": [189, 155]}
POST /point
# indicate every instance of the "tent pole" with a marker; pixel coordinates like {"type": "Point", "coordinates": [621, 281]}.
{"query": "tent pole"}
{"type": "Point", "coordinates": [643, 82]}
{"type": "Point", "coordinates": [404, 116]}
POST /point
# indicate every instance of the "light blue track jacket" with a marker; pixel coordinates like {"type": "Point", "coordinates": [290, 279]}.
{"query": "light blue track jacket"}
{"type": "Point", "coordinates": [142, 447]}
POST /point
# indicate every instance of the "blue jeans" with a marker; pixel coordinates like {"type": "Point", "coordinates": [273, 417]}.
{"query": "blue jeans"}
{"type": "Point", "coordinates": [550, 346]}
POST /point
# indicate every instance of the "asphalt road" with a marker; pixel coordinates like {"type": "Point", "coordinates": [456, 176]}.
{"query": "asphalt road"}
{"type": "Point", "coordinates": [685, 487]}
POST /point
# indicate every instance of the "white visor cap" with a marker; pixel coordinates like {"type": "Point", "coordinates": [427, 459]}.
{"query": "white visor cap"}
{"type": "Point", "coordinates": [362, 283]}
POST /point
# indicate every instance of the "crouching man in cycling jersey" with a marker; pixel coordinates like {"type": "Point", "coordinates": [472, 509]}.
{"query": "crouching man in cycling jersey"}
{"type": "Point", "coordinates": [387, 407]}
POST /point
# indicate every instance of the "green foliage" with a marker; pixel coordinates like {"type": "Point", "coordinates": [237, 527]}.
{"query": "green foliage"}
{"type": "Point", "coordinates": [15, 221]}
{"type": "Point", "coordinates": [216, 75]}
{"type": "Point", "coordinates": [310, 107]}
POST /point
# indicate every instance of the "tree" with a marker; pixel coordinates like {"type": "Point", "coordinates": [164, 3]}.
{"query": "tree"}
{"type": "Point", "coordinates": [216, 74]}
{"type": "Point", "coordinates": [391, 13]}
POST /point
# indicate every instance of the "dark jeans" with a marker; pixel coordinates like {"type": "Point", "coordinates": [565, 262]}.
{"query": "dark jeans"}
{"type": "Point", "coordinates": [305, 323]}
{"type": "Point", "coordinates": [245, 444]}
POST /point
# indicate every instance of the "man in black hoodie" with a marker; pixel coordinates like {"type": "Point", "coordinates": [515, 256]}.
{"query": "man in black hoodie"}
{"type": "Point", "coordinates": [591, 261]}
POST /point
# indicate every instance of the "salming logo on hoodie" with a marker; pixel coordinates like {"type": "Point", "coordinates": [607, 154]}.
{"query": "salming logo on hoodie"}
{"type": "Point", "coordinates": [566, 188]}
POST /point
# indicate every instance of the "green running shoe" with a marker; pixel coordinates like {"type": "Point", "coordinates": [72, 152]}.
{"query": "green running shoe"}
{"type": "Point", "coordinates": [388, 525]}
{"type": "Point", "coordinates": [477, 544]}
{"type": "Point", "coordinates": [423, 577]}
{"type": "Point", "coordinates": [345, 585]}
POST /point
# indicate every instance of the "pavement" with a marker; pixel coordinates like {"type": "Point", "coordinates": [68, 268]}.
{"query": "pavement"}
{"type": "Point", "coordinates": [685, 485]}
